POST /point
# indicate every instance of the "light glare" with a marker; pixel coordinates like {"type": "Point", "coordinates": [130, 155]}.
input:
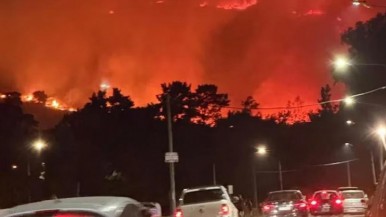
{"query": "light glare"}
{"type": "Point", "coordinates": [349, 100]}
{"type": "Point", "coordinates": [39, 145]}
{"type": "Point", "coordinates": [261, 150]}
{"type": "Point", "coordinates": [381, 131]}
{"type": "Point", "coordinates": [341, 63]}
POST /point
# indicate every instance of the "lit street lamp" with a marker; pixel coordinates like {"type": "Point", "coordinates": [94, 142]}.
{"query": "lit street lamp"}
{"type": "Point", "coordinates": [39, 145]}
{"type": "Point", "coordinates": [261, 150]}
{"type": "Point", "coordinates": [341, 63]}
{"type": "Point", "coordinates": [349, 100]}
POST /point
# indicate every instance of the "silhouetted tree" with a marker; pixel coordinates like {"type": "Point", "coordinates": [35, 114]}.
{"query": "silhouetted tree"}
{"type": "Point", "coordinates": [97, 101]}
{"type": "Point", "coordinates": [209, 103]}
{"type": "Point", "coordinates": [40, 96]}
{"type": "Point", "coordinates": [327, 107]}
{"type": "Point", "coordinates": [249, 104]}
{"type": "Point", "coordinates": [367, 51]}
{"type": "Point", "coordinates": [13, 98]}
{"type": "Point", "coordinates": [118, 101]}
{"type": "Point", "coordinates": [181, 101]}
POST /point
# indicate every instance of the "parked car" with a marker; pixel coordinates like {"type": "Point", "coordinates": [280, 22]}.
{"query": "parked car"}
{"type": "Point", "coordinates": [285, 203]}
{"type": "Point", "coordinates": [207, 201]}
{"type": "Point", "coordinates": [81, 207]}
{"type": "Point", "coordinates": [354, 201]}
{"type": "Point", "coordinates": [154, 208]}
{"type": "Point", "coordinates": [326, 202]}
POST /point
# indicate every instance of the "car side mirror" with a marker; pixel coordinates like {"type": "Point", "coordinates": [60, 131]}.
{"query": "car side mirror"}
{"type": "Point", "coordinates": [235, 199]}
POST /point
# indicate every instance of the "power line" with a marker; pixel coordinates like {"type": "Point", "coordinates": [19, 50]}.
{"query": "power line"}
{"type": "Point", "coordinates": [310, 105]}
{"type": "Point", "coordinates": [308, 166]}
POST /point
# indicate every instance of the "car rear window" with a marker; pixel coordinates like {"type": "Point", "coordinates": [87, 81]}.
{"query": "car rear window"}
{"type": "Point", "coordinates": [59, 214]}
{"type": "Point", "coordinates": [201, 196]}
{"type": "Point", "coordinates": [278, 196]}
{"type": "Point", "coordinates": [326, 195]}
{"type": "Point", "coordinates": [353, 194]}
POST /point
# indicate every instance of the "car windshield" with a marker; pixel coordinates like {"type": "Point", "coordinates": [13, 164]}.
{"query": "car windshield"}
{"type": "Point", "coordinates": [279, 196]}
{"type": "Point", "coordinates": [353, 194]}
{"type": "Point", "coordinates": [203, 196]}
{"type": "Point", "coordinates": [326, 195]}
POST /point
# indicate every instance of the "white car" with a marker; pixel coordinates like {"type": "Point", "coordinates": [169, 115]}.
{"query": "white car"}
{"type": "Point", "coordinates": [80, 207]}
{"type": "Point", "coordinates": [355, 201]}
{"type": "Point", "coordinates": [211, 201]}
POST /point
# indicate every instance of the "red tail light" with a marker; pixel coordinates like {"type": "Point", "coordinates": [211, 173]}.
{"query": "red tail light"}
{"type": "Point", "coordinates": [338, 202]}
{"type": "Point", "coordinates": [314, 203]}
{"type": "Point", "coordinates": [224, 210]}
{"type": "Point", "coordinates": [301, 205]}
{"type": "Point", "coordinates": [267, 208]}
{"type": "Point", "coordinates": [178, 213]}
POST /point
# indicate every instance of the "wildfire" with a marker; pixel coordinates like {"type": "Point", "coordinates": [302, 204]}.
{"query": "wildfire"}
{"type": "Point", "coordinates": [51, 102]}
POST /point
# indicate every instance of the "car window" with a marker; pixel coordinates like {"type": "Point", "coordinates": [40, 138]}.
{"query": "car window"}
{"type": "Point", "coordinates": [59, 214]}
{"type": "Point", "coordinates": [353, 194]}
{"type": "Point", "coordinates": [277, 196]}
{"type": "Point", "coordinates": [203, 196]}
{"type": "Point", "coordinates": [326, 196]}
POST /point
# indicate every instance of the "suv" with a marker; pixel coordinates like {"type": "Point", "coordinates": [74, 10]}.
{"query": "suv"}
{"type": "Point", "coordinates": [285, 203]}
{"type": "Point", "coordinates": [206, 202]}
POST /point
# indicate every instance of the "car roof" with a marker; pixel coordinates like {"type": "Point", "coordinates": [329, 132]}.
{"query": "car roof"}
{"type": "Point", "coordinates": [285, 191]}
{"type": "Point", "coordinates": [329, 191]}
{"type": "Point", "coordinates": [347, 188]}
{"type": "Point", "coordinates": [101, 205]}
{"type": "Point", "coordinates": [353, 191]}
{"type": "Point", "coordinates": [208, 187]}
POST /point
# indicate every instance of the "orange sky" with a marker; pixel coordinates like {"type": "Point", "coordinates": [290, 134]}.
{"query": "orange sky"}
{"type": "Point", "coordinates": [274, 50]}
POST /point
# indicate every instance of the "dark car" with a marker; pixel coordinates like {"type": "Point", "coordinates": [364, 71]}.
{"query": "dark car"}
{"type": "Point", "coordinates": [285, 203]}
{"type": "Point", "coordinates": [326, 202]}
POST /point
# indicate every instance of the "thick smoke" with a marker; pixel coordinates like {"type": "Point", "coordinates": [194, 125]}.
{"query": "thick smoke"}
{"type": "Point", "coordinates": [265, 48]}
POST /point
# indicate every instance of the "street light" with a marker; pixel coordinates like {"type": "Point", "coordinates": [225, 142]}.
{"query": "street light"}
{"type": "Point", "coordinates": [356, 2]}
{"type": "Point", "coordinates": [262, 150]}
{"type": "Point", "coordinates": [341, 63]}
{"type": "Point", "coordinates": [349, 100]}
{"type": "Point", "coordinates": [381, 132]}
{"type": "Point", "coordinates": [39, 145]}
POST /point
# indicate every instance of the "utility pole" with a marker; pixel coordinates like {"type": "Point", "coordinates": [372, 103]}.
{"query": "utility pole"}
{"type": "Point", "coordinates": [373, 168]}
{"type": "Point", "coordinates": [381, 162]}
{"type": "Point", "coordinates": [348, 168]}
{"type": "Point", "coordinates": [280, 176]}
{"type": "Point", "coordinates": [214, 174]}
{"type": "Point", "coordinates": [171, 164]}
{"type": "Point", "coordinates": [29, 178]}
{"type": "Point", "coordinates": [255, 202]}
